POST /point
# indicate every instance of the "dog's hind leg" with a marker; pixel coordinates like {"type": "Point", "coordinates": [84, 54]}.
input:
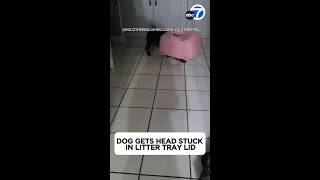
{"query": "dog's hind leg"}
{"type": "Point", "coordinates": [148, 46]}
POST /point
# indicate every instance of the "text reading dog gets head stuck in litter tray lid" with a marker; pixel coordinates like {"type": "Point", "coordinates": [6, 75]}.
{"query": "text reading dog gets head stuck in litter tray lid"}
{"type": "Point", "coordinates": [159, 143]}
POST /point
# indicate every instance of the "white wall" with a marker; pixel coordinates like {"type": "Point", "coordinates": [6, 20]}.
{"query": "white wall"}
{"type": "Point", "coordinates": [204, 24]}
{"type": "Point", "coordinates": [168, 13]}
{"type": "Point", "coordinates": [115, 26]}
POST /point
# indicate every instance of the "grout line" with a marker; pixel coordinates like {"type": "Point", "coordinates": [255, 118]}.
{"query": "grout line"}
{"type": "Point", "coordinates": [121, 131]}
{"type": "Point", "coordinates": [158, 89]}
{"type": "Point", "coordinates": [159, 108]}
{"type": "Point", "coordinates": [185, 64]}
{"type": "Point", "coordinates": [161, 75]}
{"type": "Point", "coordinates": [135, 74]}
{"type": "Point", "coordinates": [120, 56]}
{"type": "Point", "coordinates": [168, 64]}
{"type": "Point", "coordinates": [147, 131]}
{"type": "Point", "coordinates": [140, 167]}
{"type": "Point", "coordinates": [172, 131]}
{"type": "Point", "coordinates": [124, 93]}
{"type": "Point", "coordinates": [154, 98]}
{"type": "Point", "coordinates": [142, 63]}
{"type": "Point", "coordinates": [205, 56]}
{"type": "Point", "coordinates": [152, 175]}
{"type": "Point", "coordinates": [185, 79]}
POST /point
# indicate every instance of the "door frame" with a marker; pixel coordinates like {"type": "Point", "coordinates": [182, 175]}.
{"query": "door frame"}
{"type": "Point", "coordinates": [111, 59]}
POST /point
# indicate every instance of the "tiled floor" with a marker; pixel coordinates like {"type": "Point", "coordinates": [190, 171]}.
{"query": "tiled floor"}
{"type": "Point", "coordinates": [158, 94]}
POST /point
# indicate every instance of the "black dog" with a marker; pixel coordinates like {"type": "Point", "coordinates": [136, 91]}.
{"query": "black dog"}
{"type": "Point", "coordinates": [205, 161]}
{"type": "Point", "coordinates": [153, 37]}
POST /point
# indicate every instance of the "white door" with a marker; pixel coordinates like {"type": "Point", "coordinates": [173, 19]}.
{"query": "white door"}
{"type": "Point", "coordinates": [170, 13]}
{"type": "Point", "coordinates": [204, 24]}
{"type": "Point", "coordinates": [136, 14]}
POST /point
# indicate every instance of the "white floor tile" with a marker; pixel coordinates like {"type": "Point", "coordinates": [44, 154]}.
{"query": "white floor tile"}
{"type": "Point", "coordinates": [159, 178]}
{"type": "Point", "coordinates": [137, 45]}
{"type": "Point", "coordinates": [206, 43]}
{"type": "Point", "coordinates": [117, 44]}
{"type": "Point", "coordinates": [198, 100]}
{"type": "Point", "coordinates": [124, 68]}
{"type": "Point", "coordinates": [117, 50]}
{"type": "Point", "coordinates": [128, 164]}
{"type": "Point", "coordinates": [172, 82]}
{"type": "Point", "coordinates": [131, 120]}
{"type": "Point", "coordinates": [130, 58]}
{"type": "Point", "coordinates": [178, 166]}
{"type": "Point", "coordinates": [116, 95]}
{"type": "Point", "coordinates": [115, 58]}
{"type": "Point", "coordinates": [155, 50]}
{"type": "Point", "coordinates": [165, 120]}
{"type": "Point", "coordinates": [113, 111]}
{"type": "Point", "coordinates": [114, 176]}
{"type": "Point", "coordinates": [134, 51]}
{"type": "Point", "coordinates": [170, 61]}
{"type": "Point", "coordinates": [198, 83]}
{"type": "Point", "coordinates": [196, 166]}
{"type": "Point", "coordinates": [144, 81]}
{"type": "Point", "coordinates": [120, 80]}
{"type": "Point", "coordinates": [153, 59]}
{"type": "Point", "coordinates": [136, 42]}
{"type": "Point", "coordinates": [136, 39]}
{"type": "Point", "coordinates": [138, 98]}
{"type": "Point", "coordinates": [196, 70]}
{"type": "Point", "coordinates": [199, 121]}
{"type": "Point", "coordinates": [197, 61]}
{"type": "Point", "coordinates": [172, 70]}
{"type": "Point", "coordinates": [208, 60]}
{"type": "Point", "coordinates": [206, 52]}
{"type": "Point", "coordinates": [199, 53]}
{"type": "Point", "coordinates": [170, 99]}
{"type": "Point", "coordinates": [148, 69]}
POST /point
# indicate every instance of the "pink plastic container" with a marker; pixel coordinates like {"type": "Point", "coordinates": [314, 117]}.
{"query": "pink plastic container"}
{"type": "Point", "coordinates": [180, 44]}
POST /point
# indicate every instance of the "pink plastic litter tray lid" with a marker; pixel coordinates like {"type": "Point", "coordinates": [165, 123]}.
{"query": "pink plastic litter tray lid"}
{"type": "Point", "coordinates": [180, 44]}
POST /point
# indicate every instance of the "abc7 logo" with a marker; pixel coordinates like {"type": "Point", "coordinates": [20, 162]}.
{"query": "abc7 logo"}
{"type": "Point", "coordinates": [197, 12]}
{"type": "Point", "coordinates": [189, 15]}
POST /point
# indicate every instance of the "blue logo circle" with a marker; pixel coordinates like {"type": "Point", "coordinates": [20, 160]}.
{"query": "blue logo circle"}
{"type": "Point", "coordinates": [199, 11]}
